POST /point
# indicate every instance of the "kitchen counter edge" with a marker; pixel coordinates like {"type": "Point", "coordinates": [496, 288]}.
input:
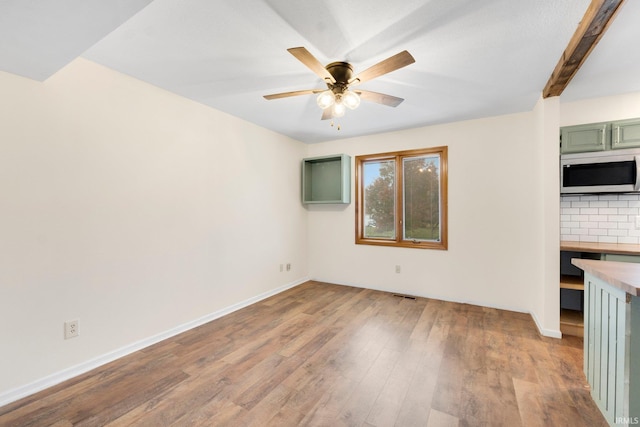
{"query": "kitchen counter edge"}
{"type": "Point", "coordinates": [622, 275]}
{"type": "Point", "coordinates": [605, 248]}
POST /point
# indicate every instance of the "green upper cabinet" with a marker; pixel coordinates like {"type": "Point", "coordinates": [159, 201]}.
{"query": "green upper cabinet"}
{"type": "Point", "coordinates": [582, 138]}
{"type": "Point", "coordinates": [326, 179]}
{"type": "Point", "coordinates": [625, 134]}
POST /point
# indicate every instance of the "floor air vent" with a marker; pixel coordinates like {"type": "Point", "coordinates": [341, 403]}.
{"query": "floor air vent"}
{"type": "Point", "coordinates": [404, 296]}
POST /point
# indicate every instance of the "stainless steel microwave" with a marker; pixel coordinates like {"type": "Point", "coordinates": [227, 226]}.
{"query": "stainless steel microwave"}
{"type": "Point", "coordinates": [612, 171]}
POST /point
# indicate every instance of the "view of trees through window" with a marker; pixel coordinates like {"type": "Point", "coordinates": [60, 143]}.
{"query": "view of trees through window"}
{"type": "Point", "coordinates": [401, 198]}
{"type": "Point", "coordinates": [379, 199]}
{"type": "Point", "coordinates": [421, 198]}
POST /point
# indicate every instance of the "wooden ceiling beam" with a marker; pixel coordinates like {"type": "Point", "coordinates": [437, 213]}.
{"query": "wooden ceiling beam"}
{"type": "Point", "coordinates": [596, 20]}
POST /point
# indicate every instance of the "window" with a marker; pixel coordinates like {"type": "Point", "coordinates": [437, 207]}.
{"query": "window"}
{"type": "Point", "coordinates": [402, 199]}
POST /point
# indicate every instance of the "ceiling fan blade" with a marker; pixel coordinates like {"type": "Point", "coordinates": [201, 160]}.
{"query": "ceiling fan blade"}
{"type": "Point", "coordinates": [327, 114]}
{"type": "Point", "coordinates": [294, 93]}
{"type": "Point", "coordinates": [388, 65]}
{"type": "Point", "coordinates": [379, 98]}
{"type": "Point", "coordinates": [312, 63]}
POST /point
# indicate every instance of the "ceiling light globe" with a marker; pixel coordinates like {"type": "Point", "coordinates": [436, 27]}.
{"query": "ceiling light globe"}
{"type": "Point", "coordinates": [338, 109]}
{"type": "Point", "coordinates": [325, 99]}
{"type": "Point", "coordinates": [350, 99]}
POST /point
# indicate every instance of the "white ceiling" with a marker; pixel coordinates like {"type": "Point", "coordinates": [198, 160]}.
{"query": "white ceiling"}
{"type": "Point", "coordinates": [474, 58]}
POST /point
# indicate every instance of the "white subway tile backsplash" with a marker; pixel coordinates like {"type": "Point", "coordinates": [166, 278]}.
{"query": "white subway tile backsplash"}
{"type": "Point", "coordinates": [589, 225]}
{"type": "Point", "coordinates": [628, 211]}
{"type": "Point", "coordinates": [580, 204]}
{"type": "Point", "coordinates": [599, 204]}
{"type": "Point", "coordinates": [607, 225]}
{"type": "Point", "coordinates": [589, 211]}
{"type": "Point", "coordinates": [632, 240]}
{"type": "Point", "coordinates": [608, 211]}
{"type": "Point", "coordinates": [598, 232]}
{"type": "Point", "coordinates": [605, 218]}
{"type": "Point", "coordinates": [619, 204]}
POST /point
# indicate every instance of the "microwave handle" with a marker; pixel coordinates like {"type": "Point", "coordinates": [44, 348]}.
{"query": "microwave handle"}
{"type": "Point", "coordinates": [636, 187]}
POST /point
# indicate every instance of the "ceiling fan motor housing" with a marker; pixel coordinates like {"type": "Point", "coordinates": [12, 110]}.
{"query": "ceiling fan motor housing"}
{"type": "Point", "coordinates": [341, 72]}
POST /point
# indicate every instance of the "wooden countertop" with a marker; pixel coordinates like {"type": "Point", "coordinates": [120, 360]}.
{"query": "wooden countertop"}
{"type": "Point", "coordinates": [622, 275]}
{"type": "Point", "coordinates": [605, 248]}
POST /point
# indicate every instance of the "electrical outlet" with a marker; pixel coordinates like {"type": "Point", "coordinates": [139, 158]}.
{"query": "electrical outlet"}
{"type": "Point", "coordinates": [288, 266]}
{"type": "Point", "coordinates": [71, 329]}
{"type": "Point", "coordinates": [397, 269]}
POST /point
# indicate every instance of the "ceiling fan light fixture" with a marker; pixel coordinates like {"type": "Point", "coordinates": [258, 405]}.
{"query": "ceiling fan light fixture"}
{"type": "Point", "coordinates": [350, 99]}
{"type": "Point", "coordinates": [338, 109]}
{"type": "Point", "coordinates": [326, 99]}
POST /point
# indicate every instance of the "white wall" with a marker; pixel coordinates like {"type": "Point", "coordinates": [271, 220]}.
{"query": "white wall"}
{"type": "Point", "coordinates": [593, 110]}
{"type": "Point", "coordinates": [135, 211]}
{"type": "Point", "coordinates": [495, 223]}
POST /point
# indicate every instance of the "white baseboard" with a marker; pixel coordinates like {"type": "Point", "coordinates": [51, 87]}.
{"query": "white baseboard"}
{"type": "Point", "coordinates": [545, 332]}
{"type": "Point", "coordinates": [74, 371]}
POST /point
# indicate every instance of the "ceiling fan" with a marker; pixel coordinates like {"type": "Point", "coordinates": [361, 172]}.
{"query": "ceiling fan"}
{"type": "Point", "coordinates": [339, 79]}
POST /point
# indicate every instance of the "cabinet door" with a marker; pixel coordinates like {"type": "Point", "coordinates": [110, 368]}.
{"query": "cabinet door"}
{"type": "Point", "coordinates": [582, 138]}
{"type": "Point", "coordinates": [625, 134]}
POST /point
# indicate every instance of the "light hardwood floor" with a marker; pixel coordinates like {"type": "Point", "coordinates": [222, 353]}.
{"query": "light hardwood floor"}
{"type": "Point", "coordinates": [328, 355]}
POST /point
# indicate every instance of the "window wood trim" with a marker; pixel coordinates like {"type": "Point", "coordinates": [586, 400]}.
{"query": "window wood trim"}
{"type": "Point", "coordinates": [399, 241]}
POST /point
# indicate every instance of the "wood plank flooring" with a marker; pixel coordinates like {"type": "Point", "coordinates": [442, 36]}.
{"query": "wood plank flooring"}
{"type": "Point", "coordinates": [329, 355]}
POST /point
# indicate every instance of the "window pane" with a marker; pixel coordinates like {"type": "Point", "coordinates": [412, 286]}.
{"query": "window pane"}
{"type": "Point", "coordinates": [379, 199]}
{"type": "Point", "coordinates": [421, 194]}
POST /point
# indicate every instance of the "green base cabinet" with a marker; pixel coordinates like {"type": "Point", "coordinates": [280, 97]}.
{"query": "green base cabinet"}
{"type": "Point", "coordinates": [612, 336]}
{"type": "Point", "coordinates": [620, 258]}
{"type": "Point", "coordinates": [326, 179]}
